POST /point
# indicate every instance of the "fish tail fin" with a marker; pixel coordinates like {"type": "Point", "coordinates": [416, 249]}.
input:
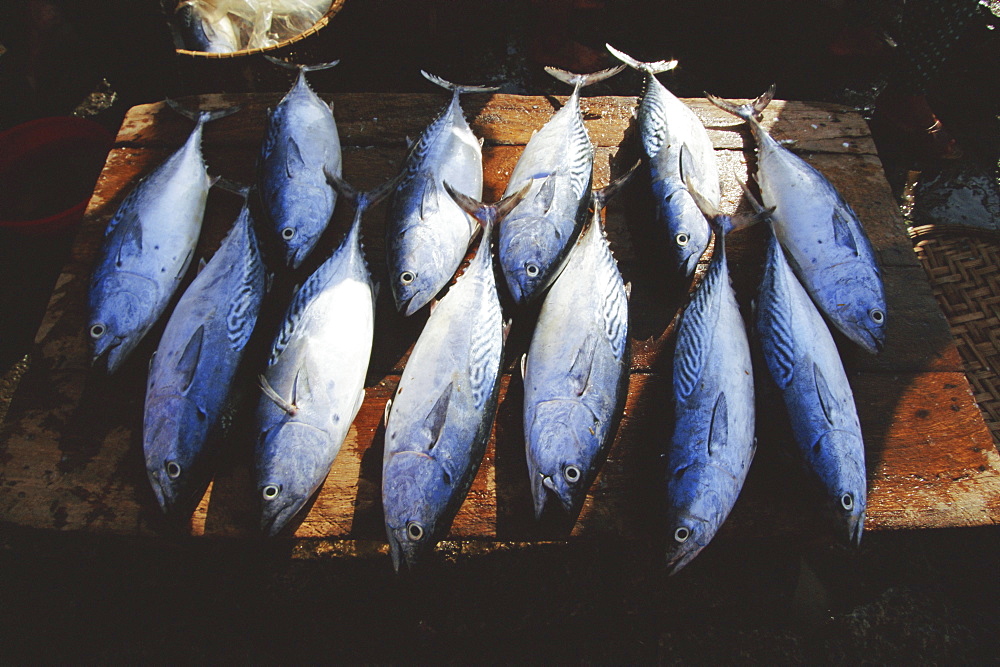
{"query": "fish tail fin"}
{"type": "Point", "coordinates": [301, 68]}
{"type": "Point", "coordinates": [649, 68]}
{"type": "Point", "coordinates": [487, 214]}
{"type": "Point", "coordinates": [358, 199]}
{"type": "Point", "coordinates": [603, 195]}
{"type": "Point", "coordinates": [456, 88]}
{"type": "Point", "coordinates": [749, 112]}
{"type": "Point", "coordinates": [579, 81]}
{"type": "Point", "coordinates": [202, 116]}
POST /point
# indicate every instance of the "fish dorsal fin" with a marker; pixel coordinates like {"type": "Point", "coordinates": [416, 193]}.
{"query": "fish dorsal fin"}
{"type": "Point", "coordinates": [187, 365]}
{"type": "Point", "coordinates": [826, 398]}
{"type": "Point", "coordinates": [386, 411]}
{"type": "Point", "coordinates": [718, 434]}
{"type": "Point", "coordinates": [184, 265]}
{"type": "Point", "coordinates": [628, 290]}
{"type": "Point", "coordinates": [843, 232]}
{"type": "Point", "coordinates": [524, 366]}
{"type": "Point", "coordinates": [130, 236]}
{"type": "Point", "coordinates": [201, 266]}
{"type": "Point", "coordinates": [579, 372]}
{"type": "Point", "coordinates": [294, 163]}
{"type": "Point", "coordinates": [435, 420]}
{"type": "Point", "coordinates": [430, 203]}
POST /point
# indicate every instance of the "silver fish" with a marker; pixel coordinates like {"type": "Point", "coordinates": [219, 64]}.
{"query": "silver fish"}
{"type": "Point", "coordinates": [427, 234]}
{"type": "Point", "coordinates": [439, 420]}
{"type": "Point", "coordinates": [805, 364]}
{"type": "Point", "coordinates": [314, 383]}
{"type": "Point", "coordinates": [558, 164]}
{"type": "Point", "coordinates": [713, 439]}
{"type": "Point", "coordinates": [194, 365]}
{"type": "Point", "coordinates": [576, 370]}
{"type": "Point", "coordinates": [147, 248]}
{"type": "Point", "coordinates": [300, 143]}
{"type": "Point", "coordinates": [827, 246]}
{"type": "Point", "coordinates": [666, 125]}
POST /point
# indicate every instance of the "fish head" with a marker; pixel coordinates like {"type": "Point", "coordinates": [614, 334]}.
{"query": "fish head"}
{"type": "Point", "coordinates": [120, 308]}
{"type": "Point", "coordinates": [301, 214]}
{"type": "Point", "coordinates": [860, 312]}
{"type": "Point", "coordinates": [696, 509]}
{"type": "Point", "coordinates": [530, 250]}
{"type": "Point", "coordinates": [174, 432]}
{"type": "Point", "coordinates": [688, 233]}
{"type": "Point", "coordinates": [416, 491]}
{"type": "Point", "coordinates": [562, 453]}
{"type": "Point", "coordinates": [419, 268]}
{"type": "Point", "coordinates": [292, 462]}
{"type": "Point", "coordinates": [842, 475]}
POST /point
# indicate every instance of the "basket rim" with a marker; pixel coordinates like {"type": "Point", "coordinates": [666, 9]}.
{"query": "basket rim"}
{"type": "Point", "coordinates": [335, 7]}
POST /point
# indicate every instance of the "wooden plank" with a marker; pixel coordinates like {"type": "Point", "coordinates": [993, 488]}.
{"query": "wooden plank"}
{"type": "Point", "coordinates": [70, 450]}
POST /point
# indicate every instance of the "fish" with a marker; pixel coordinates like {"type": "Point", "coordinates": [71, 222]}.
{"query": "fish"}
{"type": "Point", "coordinates": [804, 362]}
{"type": "Point", "coordinates": [147, 248]}
{"type": "Point", "coordinates": [439, 419]}
{"type": "Point", "coordinates": [576, 370]}
{"type": "Point", "coordinates": [206, 30]}
{"type": "Point", "coordinates": [427, 234]}
{"type": "Point", "coordinates": [314, 383]}
{"type": "Point", "coordinates": [558, 164]}
{"type": "Point", "coordinates": [713, 441]}
{"type": "Point", "coordinates": [300, 144]}
{"type": "Point", "coordinates": [193, 367]}
{"type": "Point", "coordinates": [666, 125]}
{"type": "Point", "coordinates": [825, 243]}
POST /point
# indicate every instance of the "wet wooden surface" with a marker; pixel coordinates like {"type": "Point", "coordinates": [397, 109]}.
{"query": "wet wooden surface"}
{"type": "Point", "coordinates": [71, 451]}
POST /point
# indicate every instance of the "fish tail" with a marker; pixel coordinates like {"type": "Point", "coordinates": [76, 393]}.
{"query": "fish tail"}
{"type": "Point", "coordinates": [748, 112]}
{"type": "Point", "coordinates": [579, 81]}
{"type": "Point", "coordinates": [202, 116]}
{"type": "Point", "coordinates": [649, 68]}
{"type": "Point", "coordinates": [487, 214]}
{"type": "Point", "coordinates": [302, 68]}
{"type": "Point", "coordinates": [456, 88]}
{"type": "Point", "coordinates": [603, 195]}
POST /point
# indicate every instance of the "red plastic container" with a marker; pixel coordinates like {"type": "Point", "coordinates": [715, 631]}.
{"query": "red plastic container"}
{"type": "Point", "coordinates": [48, 168]}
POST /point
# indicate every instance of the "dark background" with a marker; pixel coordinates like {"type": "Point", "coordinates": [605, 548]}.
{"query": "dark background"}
{"type": "Point", "coordinates": [921, 597]}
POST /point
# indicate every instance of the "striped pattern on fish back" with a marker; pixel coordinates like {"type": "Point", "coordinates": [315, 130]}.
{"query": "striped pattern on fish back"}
{"type": "Point", "coordinates": [300, 302]}
{"type": "Point", "coordinates": [242, 315]}
{"type": "Point", "coordinates": [774, 316]}
{"type": "Point", "coordinates": [484, 360]}
{"type": "Point", "coordinates": [698, 324]}
{"type": "Point", "coordinates": [614, 304]}
{"type": "Point", "coordinates": [652, 117]}
{"type": "Point", "coordinates": [581, 166]}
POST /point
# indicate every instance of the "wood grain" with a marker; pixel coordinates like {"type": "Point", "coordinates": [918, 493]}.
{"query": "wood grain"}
{"type": "Point", "coordinates": [70, 449]}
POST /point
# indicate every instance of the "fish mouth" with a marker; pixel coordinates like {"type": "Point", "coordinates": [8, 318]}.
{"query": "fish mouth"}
{"type": "Point", "coordinates": [108, 358]}
{"type": "Point", "coordinates": [412, 304]}
{"type": "Point", "coordinates": [298, 255]}
{"type": "Point", "coordinates": [688, 266]}
{"type": "Point", "coordinates": [274, 519]}
{"type": "Point", "coordinates": [870, 342]}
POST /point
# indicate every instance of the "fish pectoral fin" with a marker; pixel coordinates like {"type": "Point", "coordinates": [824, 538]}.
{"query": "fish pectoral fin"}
{"type": "Point", "coordinates": [294, 163]}
{"type": "Point", "coordinates": [546, 194]}
{"type": "Point", "coordinates": [826, 398]}
{"type": "Point", "coordinates": [583, 364]}
{"type": "Point", "coordinates": [718, 434]}
{"type": "Point", "coordinates": [265, 386]}
{"type": "Point", "coordinates": [187, 365]}
{"type": "Point", "coordinates": [131, 236]}
{"type": "Point", "coordinates": [301, 387]}
{"type": "Point", "coordinates": [435, 419]}
{"type": "Point", "coordinates": [843, 229]}
{"type": "Point", "coordinates": [184, 265]}
{"type": "Point", "coordinates": [430, 203]}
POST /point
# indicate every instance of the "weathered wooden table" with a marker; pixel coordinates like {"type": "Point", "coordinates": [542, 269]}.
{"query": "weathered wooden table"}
{"type": "Point", "coordinates": [71, 453]}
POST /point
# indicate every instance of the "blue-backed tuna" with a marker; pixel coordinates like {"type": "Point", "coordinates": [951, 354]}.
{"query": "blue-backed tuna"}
{"type": "Point", "coordinates": [558, 164]}
{"type": "Point", "coordinates": [666, 125]}
{"type": "Point", "coordinates": [827, 246]}
{"type": "Point", "coordinates": [713, 439]}
{"type": "Point", "coordinates": [803, 360]}
{"type": "Point", "coordinates": [576, 370]}
{"type": "Point", "coordinates": [439, 419]}
{"type": "Point", "coordinates": [427, 234]}
{"type": "Point", "coordinates": [193, 368]}
{"type": "Point", "coordinates": [314, 383]}
{"type": "Point", "coordinates": [147, 248]}
{"type": "Point", "coordinates": [300, 144]}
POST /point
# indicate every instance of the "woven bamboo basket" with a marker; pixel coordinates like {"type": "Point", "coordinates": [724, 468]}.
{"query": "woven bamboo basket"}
{"type": "Point", "coordinates": [963, 265]}
{"type": "Point", "coordinates": [245, 71]}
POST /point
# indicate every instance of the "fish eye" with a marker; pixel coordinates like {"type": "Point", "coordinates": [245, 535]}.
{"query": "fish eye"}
{"type": "Point", "coordinates": [847, 501]}
{"type": "Point", "coordinates": [877, 316]}
{"type": "Point", "coordinates": [414, 531]}
{"type": "Point", "coordinates": [682, 239]}
{"type": "Point", "coordinates": [407, 277]}
{"type": "Point", "coordinates": [271, 491]}
{"type": "Point", "coordinates": [682, 534]}
{"type": "Point", "coordinates": [173, 469]}
{"type": "Point", "coordinates": [572, 474]}
{"type": "Point", "coordinates": [531, 270]}
{"type": "Point", "coordinates": [97, 331]}
{"type": "Point", "coordinates": [288, 233]}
